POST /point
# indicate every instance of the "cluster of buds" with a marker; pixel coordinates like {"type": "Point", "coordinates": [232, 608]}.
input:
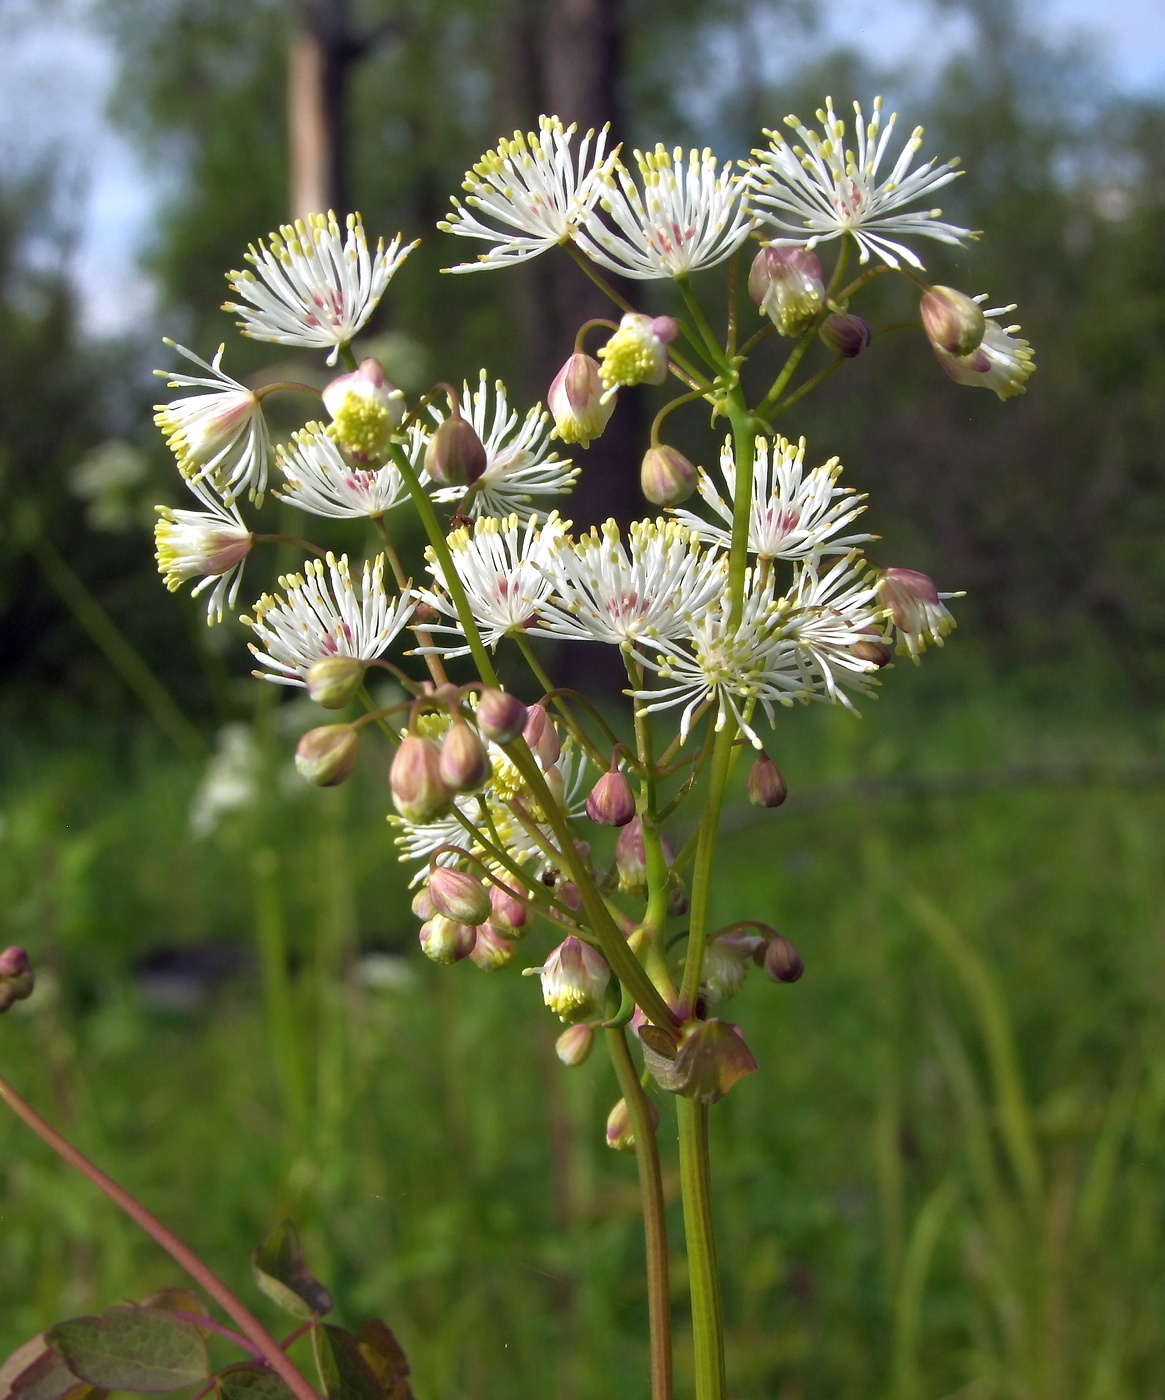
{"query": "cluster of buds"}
{"type": "Point", "coordinates": [425, 775]}
{"type": "Point", "coordinates": [461, 918]}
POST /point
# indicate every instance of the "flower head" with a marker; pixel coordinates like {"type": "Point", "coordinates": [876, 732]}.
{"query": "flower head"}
{"type": "Point", "coordinates": [686, 218]}
{"type": "Point", "coordinates": [502, 569]}
{"type": "Point", "coordinates": [312, 285]}
{"type": "Point", "coordinates": [826, 614]}
{"type": "Point", "coordinates": [365, 408]}
{"type": "Point", "coordinates": [914, 606]}
{"type": "Point", "coordinates": [209, 544]}
{"type": "Point", "coordinates": [322, 480]}
{"type": "Point", "coordinates": [535, 187]}
{"type": "Point", "coordinates": [519, 462]}
{"type": "Point", "coordinates": [1002, 362]}
{"type": "Point", "coordinates": [606, 590]}
{"type": "Point", "coordinates": [637, 352]}
{"type": "Point", "coordinates": [218, 437]}
{"type": "Point", "coordinates": [788, 285]}
{"type": "Point", "coordinates": [324, 614]}
{"type": "Point", "coordinates": [795, 514]}
{"type": "Point", "coordinates": [823, 189]}
{"type": "Point", "coordinates": [574, 979]}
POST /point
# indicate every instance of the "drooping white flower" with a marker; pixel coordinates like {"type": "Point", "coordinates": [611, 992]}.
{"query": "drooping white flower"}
{"type": "Point", "coordinates": [321, 615]}
{"type": "Point", "coordinates": [823, 189]}
{"type": "Point", "coordinates": [209, 544]}
{"type": "Point", "coordinates": [502, 569]}
{"type": "Point", "coordinates": [826, 614]}
{"type": "Point", "coordinates": [794, 514]}
{"type": "Point", "coordinates": [1002, 362]}
{"type": "Point", "coordinates": [914, 606]}
{"type": "Point", "coordinates": [574, 979]}
{"type": "Point", "coordinates": [219, 437]}
{"type": "Point", "coordinates": [322, 480]}
{"type": "Point", "coordinates": [576, 400]}
{"type": "Point", "coordinates": [687, 216]}
{"type": "Point", "coordinates": [535, 187]}
{"type": "Point", "coordinates": [606, 590]}
{"type": "Point", "coordinates": [312, 285]}
{"type": "Point", "coordinates": [520, 463]}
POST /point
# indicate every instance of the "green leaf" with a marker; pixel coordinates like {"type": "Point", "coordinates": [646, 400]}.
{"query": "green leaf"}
{"type": "Point", "coordinates": [181, 1300]}
{"type": "Point", "coordinates": [250, 1381]}
{"type": "Point", "coordinates": [385, 1357]}
{"type": "Point", "coordinates": [131, 1348]}
{"type": "Point", "coordinates": [344, 1373]}
{"type": "Point", "coordinates": [35, 1372]}
{"type": "Point", "coordinates": [281, 1273]}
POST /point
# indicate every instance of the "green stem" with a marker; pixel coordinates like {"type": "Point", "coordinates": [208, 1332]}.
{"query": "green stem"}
{"type": "Point", "coordinates": [278, 1005]}
{"type": "Point", "coordinates": [703, 1275]}
{"type": "Point", "coordinates": [432, 660]}
{"type": "Point", "coordinates": [715, 352]}
{"type": "Point", "coordinates": [702, 871]}
{"type": "Point", "coordinates": [769, 402]}
{"type": "Point", "coordinates": [809, 385]}
{"type": "Point", "coordinates": [654, 1213]}
{"type": "Point", "coordinates": [744, 448]}
{"type": "Point", "coordinates": [347, 356]}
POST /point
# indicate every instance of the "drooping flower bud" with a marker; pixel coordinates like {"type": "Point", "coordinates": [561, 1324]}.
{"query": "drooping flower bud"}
{"type": "Point", "coordinates": [17, 979]}
{"type": "Point", "coordinates": [366, 409]}
{"type": "Point", "coordinates": [782, 961]}
{"type": "Point", "coordinates": [458, 895]}
{"type": "Point", "coordinates": [541, 733]}
{"type": "Point", "coordinates": [666, 477]}
{"type": "Point", "coordinates": [419, 793]}
{"type": "Point", "coordinates": [500, 716]}
{"type": "Point", "coordinates": [788, 285]}
{"type": "Point", "coordinates": [953, 322]}
{"type": "Point", "coordinates": [445, 941]}
{"type": "Point", "coordinates": [333, 680]}
{"type": "Point", "coordinates": [611, 801]}
{"type": "Point", "coordinates": [630, 858]}
{"type": "Point", "coordinates": [576, 401]}
{"type": "Point", "coordinates": [620, 1137]}
{"type": "Point", "coordinates": [507, 913]}
{"type": "Point", "coordinates": [914, 605]}
{"type": "Point", "coordinates": [464, 765]}
{"type": "Point", "coordinates": [327, 755]}
{"type": "Point", "coordinates": [637, 352]}
{"type": "Point", "coordinates": [846, 334]}
{"type": "Point", "coordinates": [493, 949]}
{"type": "Point", "coordinates": [455, 455]}
{"type": "Point", "coordinates": [423, 906]}
{"type": "Point", "coordinates": [873, 648]}
{"type": "Point", "coordinates": [726, 961]}
{"type": "Point", "coordinates": [575, 1044]}
{"type": "Point", "coordinates": [766, 787]}
{"type": "Point", "coordinates": [574, 978]}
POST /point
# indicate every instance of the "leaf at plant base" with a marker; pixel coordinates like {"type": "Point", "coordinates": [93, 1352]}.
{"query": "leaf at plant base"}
{"type": "Point", "coordinates": [35, 1372]}
{"type": "Point", "coordinates": [181, 1300]}
{"type": "Point", "coordinates": [281, 1273]}
{"type": "Point", "coordinates": [250, 1381]}
{"type": "Point", "coordinates": [130, 1348]}
{"type": "Point", "coordinates": [344, 1373]}
{"type": "Point", "coordinates": [386, 1358]}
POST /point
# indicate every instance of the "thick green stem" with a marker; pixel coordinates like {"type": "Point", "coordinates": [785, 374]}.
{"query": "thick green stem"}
{"type": "Point", "coordinates": [744, 449]}
{"type": "Point", "coordinates": [702, 870]}
{"type": "Point", "coordinates": [703, 1275]}
{"type": "Point", "coordinates": [654, 1213]}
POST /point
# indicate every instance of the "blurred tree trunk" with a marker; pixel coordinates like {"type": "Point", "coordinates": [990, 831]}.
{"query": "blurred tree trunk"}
{"type": "Point", "coordinates": [319, 62]}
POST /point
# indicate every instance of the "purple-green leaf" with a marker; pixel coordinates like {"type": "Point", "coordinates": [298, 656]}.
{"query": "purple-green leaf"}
{"type": "Point", "coordinates": [249, 1381]}
{"type": "Point", "coordinates": [281, 1273]}
{"type": "Point", "coordinates": [129, 1348]}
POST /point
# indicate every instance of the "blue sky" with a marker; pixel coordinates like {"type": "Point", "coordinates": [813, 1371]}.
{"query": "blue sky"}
{"type": "Point", "coordinates": [59, 73]}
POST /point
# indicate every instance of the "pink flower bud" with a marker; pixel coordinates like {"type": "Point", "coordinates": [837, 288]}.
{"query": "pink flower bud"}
{"type": "Point", "coordinates": [568, 894]}
{"type": "Point", "coordinates": [365, 408]}
{"type": "Point", "coordinates": [464, 765]}
{"type": "Point", "coordinates": [508, 914]}
{"type": "Point", "coordinates": [611, 801]}
{"type": "Point", "coordinates": [327, 755]}
{"type": "Point", "coordinates": [873, 648]}
{"type": "Point", "coordinates": [455, 455]}
{"type": "Point", "coordinates": [541, 734]}
{"type": "Point", "coordinates": [333, 680]}
{"type": "Point", "coordinates": [782, 961]}
{"type": "Point", "coordinates": [952, 321]}
{"type": "Point", "coordinates": [574, 978]}
{"type": "Point", "coordinates": [915, 607]}
{"type": "Point", "coordinates": [418, 792]}
{"type": "Point", "coordinates": [16, 977]}
{"type": "Point", "coordinates": [666, 477]}
{"type": "Point", "coordinates": [445, 941]}
{"type": "Point", "coordinates": [492, 950]}
{"type": "Point", "coordinates": [766, 787]}
{"type": "Point", "coordinates": [575, 1044]}
{"type": "Point", "coordinates": [845, 334]}
{"type": "Point", "coordinates": [500, 716]}
{"type": "Point", "coordinates": [788, 285]}
{"type": "Point", "coordinates": [630, 859]}
{"type": "Point", "coordinates": [575, 400]}
{"type": "Point", "coordinates": [459, 895]}
{"type": "Point", "coordinates": [423, 906]}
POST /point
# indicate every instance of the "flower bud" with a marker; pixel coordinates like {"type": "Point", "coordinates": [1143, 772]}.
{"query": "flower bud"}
{"type": "Point", "coordinates": [575, 1044]}
{"type": "Point", "coordinates": [541, 733]}
{"type": "Point", "coordinates": [500, 716]}
{"type": "Point", "coordinates": [766, 787]}
{"type": "Point", "coordinates": [576, 402]}
{"type": "Point", "coordinates": [637, 352]}
{"type": "Point", "coordinates": [556, 783]}
{"type": "Point", "coordinates": [458, 895]}
{"type": "Point", "coordinates": [630, 859]}
{"type": "Point", "coordinates": [873, 648]}
{"type": "Point", "coordinates": [568, 894]}
{"type": "Point", "coordinates": [788, 285]}
{"type": "Point", "coordinates": [574, 978]}
{"type": "Point", "coordinates": [507, 913]}
{"type": "Point", "coordinates": [16, 977]}
{"type": "Point", "coordinates": [445, 941]}
{"type": "Point", "coordinates": [620, 1138]}
{"type": "Point", "coordinates": [327, 755]}
{"type": "Point", "coordinates": [333, 680]}
{"type": "Point", "coordinates": [455, 455]}
{"type": "Point", "coordinates": [782, 961]}
{"type": "Point", "coordinates": [845, 334]}
{"type": "Point", "coordinates": [914, 605]}
{"type": "Point", "coordinates": [423, 906]}
{"type": "Point", "coordinates": [366, 409]}
{"type": "Point", "coordinates": [464, 764]}
{"type": "Point", "coordinates": [611, 801]}
{"type": "Point", "coordinates": [418, 791]}
{"type": "Point", "coordinates": [952, 321]}
{"type": "Point", "coordinates": [726, 961]}
{"type": "Point", "coordinates": [666, 477]}
{"type": "Point", "coordinates": [492, 950]}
